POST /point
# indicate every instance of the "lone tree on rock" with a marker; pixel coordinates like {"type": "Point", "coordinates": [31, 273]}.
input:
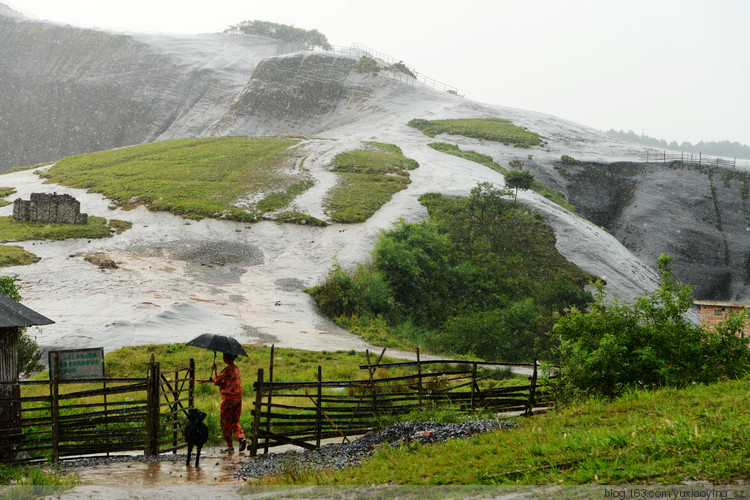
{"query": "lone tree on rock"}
{"type": "Point", "coordinates": [519, 179]}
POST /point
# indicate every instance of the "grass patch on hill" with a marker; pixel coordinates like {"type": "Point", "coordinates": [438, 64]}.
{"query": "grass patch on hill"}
{"type": "Point", "coordinates": [195, 178]}
{"type": "Point", "coordinates": [368, 178]}
{"type": "Point", "coordinates": [13, 255]}
{"type": "Point", "coordinates": [5, 192]}
{"type": "Point", "coordinates": [491, 129]}
{"type": "Point", "coordinates": [11, 230]}
{"type": "Point", "coordinates": [487, 161]}
{"type": "Point", "coordinates": [661, 437]}
{"type": "Point", "coordinates": [21, 168]}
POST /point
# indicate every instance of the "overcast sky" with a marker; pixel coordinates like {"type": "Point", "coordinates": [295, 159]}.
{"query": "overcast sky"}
{"type": "Point", "coordinates": [672, 69]}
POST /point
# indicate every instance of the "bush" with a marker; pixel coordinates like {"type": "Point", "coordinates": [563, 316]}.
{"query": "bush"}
{"type": "Point", "coordinates": [366, 64]}
{"type": "Point", "coordinates": [568, 160]}
{"type": "Point", "coordinates": [649, 343]}
{"type": "Point", "coordinates": [481, 278]}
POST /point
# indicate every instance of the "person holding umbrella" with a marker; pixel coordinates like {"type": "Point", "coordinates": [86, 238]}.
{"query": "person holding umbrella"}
{"type": "Point", "coordinates": [230, 386]}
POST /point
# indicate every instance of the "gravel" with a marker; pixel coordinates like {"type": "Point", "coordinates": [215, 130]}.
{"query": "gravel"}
{"type": "Point", "coordinates": [329, 456]}
{"type": "Point", "coordinates": [337, 456]}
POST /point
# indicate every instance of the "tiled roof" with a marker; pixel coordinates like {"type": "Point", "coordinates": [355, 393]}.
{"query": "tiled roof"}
{"type": "Point", "coordinates": [14, 314]}
{"type": "Point", "coordinates": [721, 304]}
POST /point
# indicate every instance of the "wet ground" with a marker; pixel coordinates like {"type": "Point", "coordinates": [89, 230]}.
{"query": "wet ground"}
{"type": "Point", "coordinates": [216, 468]}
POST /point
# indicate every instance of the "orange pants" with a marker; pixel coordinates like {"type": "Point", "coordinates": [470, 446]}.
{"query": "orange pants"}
{"type": "Point", "coordinates": [231, 408]}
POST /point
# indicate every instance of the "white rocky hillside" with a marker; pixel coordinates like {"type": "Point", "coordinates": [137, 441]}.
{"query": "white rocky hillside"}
{"type": "Point", "coordinates": [177, 279]}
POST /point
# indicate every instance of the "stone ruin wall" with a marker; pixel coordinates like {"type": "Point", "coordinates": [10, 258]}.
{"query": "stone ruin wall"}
{"type": "Point", "coordinates": [49, 208]}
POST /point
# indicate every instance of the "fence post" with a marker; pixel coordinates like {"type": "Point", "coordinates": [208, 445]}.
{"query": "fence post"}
{"type": "Point", "coordinates": [319, 410]}
{"type": "Point", "coordinates": [372, 384]}
{"type": "Point", "coordinates": [153, 386]}
{"type": "Point", "coordinates": [175, 426]}
{"type": "Point", "coordinates": [532, 392]}
{"type": "Point", "coordinates": [473, 384]}
{"type": "Point", "coordinates": [268, 416]}
{"type": "Point", "coordinates": [55, 394]}
{"type": "Point", "coordinates": [106, 414]}
{"type": "Point", "coordinates": [256, 417]}
{"type": "Point", "coordinates": [419, 378]}
{"type": "Point", "coordinates": [191, 383]}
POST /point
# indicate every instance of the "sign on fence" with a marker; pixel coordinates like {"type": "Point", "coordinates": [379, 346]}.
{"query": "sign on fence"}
{"type": "Point", "coordinates": [79, 364]}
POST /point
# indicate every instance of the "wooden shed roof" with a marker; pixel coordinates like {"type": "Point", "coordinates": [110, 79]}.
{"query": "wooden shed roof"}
{"type": "Point", "coordinates": [14, 314]}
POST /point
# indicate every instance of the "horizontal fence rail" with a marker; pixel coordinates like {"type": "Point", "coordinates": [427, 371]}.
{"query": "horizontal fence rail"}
{"type": "Point", "coordinates": [304, 413]}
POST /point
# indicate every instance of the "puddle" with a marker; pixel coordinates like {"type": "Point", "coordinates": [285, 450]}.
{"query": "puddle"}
{"type": "Point", "coordinates": [215, 468]}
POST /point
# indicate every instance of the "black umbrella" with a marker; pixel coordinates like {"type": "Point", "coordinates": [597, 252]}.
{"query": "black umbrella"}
{"type": "Point", "coordinates": [220, 343]}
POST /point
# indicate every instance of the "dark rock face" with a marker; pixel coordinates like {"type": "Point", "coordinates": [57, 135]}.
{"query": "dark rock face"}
{"type": "Point", "coordinates": [67, 91]}
{"type": "Point", "coordinates": [696, 214]}
{"type": "Point", "coordinates": [292, 94]}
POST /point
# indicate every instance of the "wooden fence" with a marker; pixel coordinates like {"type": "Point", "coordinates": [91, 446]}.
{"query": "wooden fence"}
{"type": "Point", "coordinates": [689, 159]}
{"type": "Point", "coordinates": [304, 413]}
{"type": "Point", "coordinates": [58, 418]}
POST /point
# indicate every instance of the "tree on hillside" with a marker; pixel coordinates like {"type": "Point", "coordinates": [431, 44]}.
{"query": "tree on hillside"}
{"type": "Point", "coordinates": [519, 179]}
{"type": "Point", "coordinates": [308, 39]}
{"type": "Point", "coordinates": [481, 278]}
{"type": "Point", "coordinates": [28, 349]}
{"type": "Point", "coordinates": [649, 343]}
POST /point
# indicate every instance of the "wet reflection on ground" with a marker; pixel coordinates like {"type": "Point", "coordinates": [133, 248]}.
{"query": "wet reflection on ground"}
{"type": "Point", "coordinates": [215, 468]}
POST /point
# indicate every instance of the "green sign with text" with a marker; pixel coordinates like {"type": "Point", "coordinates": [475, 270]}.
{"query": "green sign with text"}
{"type": "Point", "coordinates": [79, 364]}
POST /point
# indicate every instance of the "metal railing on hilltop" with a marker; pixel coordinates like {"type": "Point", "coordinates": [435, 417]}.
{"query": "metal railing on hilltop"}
{"type": "Point", "coordinates": [359, 50]}
{"type": "Point", "coordinates": [688, 159]}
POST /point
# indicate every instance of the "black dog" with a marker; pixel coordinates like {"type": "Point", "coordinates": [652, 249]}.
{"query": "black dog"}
{"type": "Point", "coordinates": [196, 434]}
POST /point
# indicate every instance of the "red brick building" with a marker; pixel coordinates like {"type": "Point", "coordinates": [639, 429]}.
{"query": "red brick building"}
{"type": "Point", "coordinates": [713, 312]}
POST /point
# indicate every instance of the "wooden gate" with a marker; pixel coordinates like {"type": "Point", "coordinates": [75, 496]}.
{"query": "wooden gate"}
{"type": "Point", "coordinates": [171, 394]}
{"type": "Point", "coordinates": [99, 416]}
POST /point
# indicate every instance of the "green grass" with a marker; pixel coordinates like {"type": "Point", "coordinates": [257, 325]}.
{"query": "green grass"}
{"type": "Point", "coordinates": [666, 436]}
{"type": "Point", "coordinates": [13, 255]}
{"type": "Point", "coordinates": [194, 178]}
{"type": "Point", "coordinates": [119, 226]}
{"type": "Point", "coordinates": [280, 200]}
{"type": "Point", "coordinates": [11, 230]}
{"type": "Point", "coordinates": [487, 161]}
{"type": "Point", "coordinates": [31, 481]}
{"type": "Point", "coordinates": [492, 129]}
{"type": "Point", "coordinates": [21, 168]}
{"type": "Point", "coordinates": [5, 192]}
{"type": "Point", "coordinates": [295, 217]}
{"type": "Point", "coordinates": [368, 178]}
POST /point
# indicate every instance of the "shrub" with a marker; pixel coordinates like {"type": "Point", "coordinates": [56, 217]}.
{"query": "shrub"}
{"type": "Point", "coordinates": [648, 343]}
{"type": "Point", "coordinates": [366, 64]}
{"type": "Point", "coordinates": [481, 278]}
{"type": "Point", "coordinates": [399, 66]}
{"type": "Point", "coordinates": [568, 160]}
